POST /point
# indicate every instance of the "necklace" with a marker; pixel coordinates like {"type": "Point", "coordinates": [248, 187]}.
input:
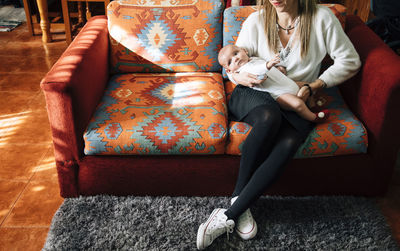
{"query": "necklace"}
{"type": "Point", "coordinates": [290, 27]}
{"type": "Point", "coordinates": [284, 53]}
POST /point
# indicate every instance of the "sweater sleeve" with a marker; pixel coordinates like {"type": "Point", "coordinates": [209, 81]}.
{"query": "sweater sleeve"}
{"type": "Point", "coordinates": [341, 50]}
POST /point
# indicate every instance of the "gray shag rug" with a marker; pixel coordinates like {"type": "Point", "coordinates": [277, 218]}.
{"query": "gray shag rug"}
{"type": "Point", "coordinates": [170, 223]}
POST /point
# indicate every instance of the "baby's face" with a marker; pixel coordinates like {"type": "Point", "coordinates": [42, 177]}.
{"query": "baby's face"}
{"type": "Point", "coordinates": [233, 58]}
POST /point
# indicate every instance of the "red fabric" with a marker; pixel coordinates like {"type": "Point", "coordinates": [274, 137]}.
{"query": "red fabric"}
{"type": "Point", "coordinates": [373, 94]}
{"type": "Point", "coordinates": [241, 3]}
{"type": "Point", "coordinates": [74, 86]}
{"type": "Point", "coordinates": [72, 89]}
{"type": "Point", "coordinates": [68, 178]}
{"type": "Point", "coordinates": [216, 176]}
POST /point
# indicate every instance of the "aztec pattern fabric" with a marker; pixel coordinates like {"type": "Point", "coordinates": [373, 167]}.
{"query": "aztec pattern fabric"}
{"type": "Point", "coordinates": [165, 113]}
{"type": "Point", "coordinates": [165, 36]}
{"type": "Point", "coordinates": [342, 134]}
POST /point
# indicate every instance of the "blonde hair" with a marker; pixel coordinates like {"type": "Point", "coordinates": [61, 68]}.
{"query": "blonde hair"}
{"type": "Point", "coordinates": [306, 11]}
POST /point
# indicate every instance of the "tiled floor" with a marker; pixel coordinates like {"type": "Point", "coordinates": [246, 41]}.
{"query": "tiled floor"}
{"type": "Point", "coordinates": [29, 194]}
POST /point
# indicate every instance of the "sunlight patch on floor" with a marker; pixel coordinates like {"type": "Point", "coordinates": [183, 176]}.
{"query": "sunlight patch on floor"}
{"type": "Point", "coordinates": [9, 123]}
{"type": "Point", "coordinates": [38, 188]}
{"type": "Point", "coordinates": [46, 164]}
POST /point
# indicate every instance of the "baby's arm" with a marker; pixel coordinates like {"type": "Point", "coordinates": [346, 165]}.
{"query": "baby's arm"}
{"type": "Point", "coordinates": [273, 61]}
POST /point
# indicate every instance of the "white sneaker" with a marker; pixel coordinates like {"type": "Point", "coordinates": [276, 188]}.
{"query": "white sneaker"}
{"type": "Point", "coordinates": [216, 225]}
{"type": "Point", "coordinates": [246, 226]}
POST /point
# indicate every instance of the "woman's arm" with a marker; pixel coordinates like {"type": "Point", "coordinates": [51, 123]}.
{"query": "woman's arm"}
{"type": "Point", "coordinates": [341, 50]}
{"type": "Point", "coordinates": [339, 47]}
{"type": "Point", "coordinates": [245, 78]}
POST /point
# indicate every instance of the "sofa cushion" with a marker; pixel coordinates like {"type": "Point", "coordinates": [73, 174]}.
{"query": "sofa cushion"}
{"type": "Point", "coordinates": [342, 134]}
{"type": "Point", "coordinates": [165, 36]}
{"type": "Point", "coordinates": [170, 113]}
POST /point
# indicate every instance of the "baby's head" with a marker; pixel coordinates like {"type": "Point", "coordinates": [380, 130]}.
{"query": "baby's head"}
{"type": "Point", "coordinates": [232, 57]}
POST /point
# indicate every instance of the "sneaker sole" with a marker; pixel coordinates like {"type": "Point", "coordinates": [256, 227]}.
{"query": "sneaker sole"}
{"type": "Point", "coordinates": [200, 236]}
{"type": "Point", "coordinates": [202, 230]}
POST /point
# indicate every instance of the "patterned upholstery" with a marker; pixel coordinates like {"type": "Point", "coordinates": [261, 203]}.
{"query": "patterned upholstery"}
{"type": "Point", "coordinates": [342, 134]}
{"type": "Point", "coordinates": [165, 113]}
{"type": "Point", "coordinates": [151, 112]}
{"type": "Point", "coordinates": [165, 36]}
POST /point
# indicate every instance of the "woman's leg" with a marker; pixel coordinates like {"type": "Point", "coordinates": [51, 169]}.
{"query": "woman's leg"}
{"type": "Point", "coordinates": [291, 102]}
{"type": "Point", "coordinates": [284, 147]}
{"type": "Point", "coordinates": [265, 122]}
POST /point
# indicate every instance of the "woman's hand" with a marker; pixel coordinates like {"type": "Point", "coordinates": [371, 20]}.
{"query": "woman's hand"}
{"type": "Point", "coordinates": [247, 79]}
{"type": "Point", "coordinates": [304, 91]}
{"type": "Point", "coordinates": [282, 69]}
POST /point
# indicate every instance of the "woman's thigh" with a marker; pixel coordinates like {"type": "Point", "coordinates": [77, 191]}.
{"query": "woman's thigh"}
{"type": "Point", "coordinates": [244, 99]}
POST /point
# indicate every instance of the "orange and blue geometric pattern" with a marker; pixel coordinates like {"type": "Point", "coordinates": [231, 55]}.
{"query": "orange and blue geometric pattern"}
{"type": "Point", "coordinates": [167, 113]}
{"type": "Point", "coordinates": [165, 36]}
{"type": "Point", "coordinates": [341, 134]}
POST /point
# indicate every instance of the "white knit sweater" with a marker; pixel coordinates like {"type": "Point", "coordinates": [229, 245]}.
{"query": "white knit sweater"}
{"type": "Point", "coordinates": [327, 36]}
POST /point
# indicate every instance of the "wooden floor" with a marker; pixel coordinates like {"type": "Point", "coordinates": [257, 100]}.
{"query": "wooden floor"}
{"type": "Point", "coordinates": [29, 194]}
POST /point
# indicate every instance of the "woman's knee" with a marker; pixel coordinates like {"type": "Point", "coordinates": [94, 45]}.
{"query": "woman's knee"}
{"type": "Point", "coordinates": [266, 116]}
{"type": "Point", "coordinates": [291, 141]}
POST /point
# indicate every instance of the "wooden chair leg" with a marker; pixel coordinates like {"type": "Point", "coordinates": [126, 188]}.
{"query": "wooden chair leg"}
{"type": "Point", "coordinates": [66, 15]}
{"type": "Point", "coordinates": [44, 21]}
{"type": "Point", "coordinates": [28, 14]}
{"type": "Point", "coordinates": [88, 13]}
{"type": "Point", "coordinates": [67, 22]}
{"type": "Point", "coordinates": [80, 13]}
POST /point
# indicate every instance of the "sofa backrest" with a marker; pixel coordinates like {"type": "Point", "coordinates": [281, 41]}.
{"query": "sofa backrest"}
{"type": "Point", "coordinates": [165, 35]}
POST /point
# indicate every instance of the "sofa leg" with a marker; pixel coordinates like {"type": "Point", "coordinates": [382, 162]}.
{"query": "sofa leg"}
{"type": "Point", "coordinates": [68, 178]}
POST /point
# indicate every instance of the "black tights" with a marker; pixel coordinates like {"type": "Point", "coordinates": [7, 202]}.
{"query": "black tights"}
{"type": "Point", "coordinates": [270, 145]}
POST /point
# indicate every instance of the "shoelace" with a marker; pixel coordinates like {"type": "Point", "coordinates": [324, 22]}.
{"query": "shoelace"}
{"type": "Point", "coordinates": [229, 230]}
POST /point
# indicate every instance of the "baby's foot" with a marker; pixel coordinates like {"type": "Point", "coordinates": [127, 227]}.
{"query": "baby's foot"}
{"type": "Point", "coordinates": [322, 116]}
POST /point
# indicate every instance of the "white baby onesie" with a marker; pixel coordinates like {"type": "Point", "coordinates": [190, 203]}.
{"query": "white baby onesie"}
{"type": "Point", "coordinates": [276, 84]}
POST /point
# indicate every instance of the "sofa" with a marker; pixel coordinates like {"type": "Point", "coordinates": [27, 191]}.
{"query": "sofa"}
{"type": "Point", "coordinates": [137, 105]}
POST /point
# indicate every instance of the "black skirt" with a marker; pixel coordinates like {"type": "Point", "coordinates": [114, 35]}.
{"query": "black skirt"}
{"type": "Point", "coordinates": [245, 99]}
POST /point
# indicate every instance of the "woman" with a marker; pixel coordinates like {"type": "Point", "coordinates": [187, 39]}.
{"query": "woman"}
{"type": "Point", "coordinates": [302, 33]}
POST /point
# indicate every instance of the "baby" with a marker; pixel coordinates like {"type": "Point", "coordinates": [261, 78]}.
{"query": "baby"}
{"type": "Point", "coordinates": [282, 89]}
